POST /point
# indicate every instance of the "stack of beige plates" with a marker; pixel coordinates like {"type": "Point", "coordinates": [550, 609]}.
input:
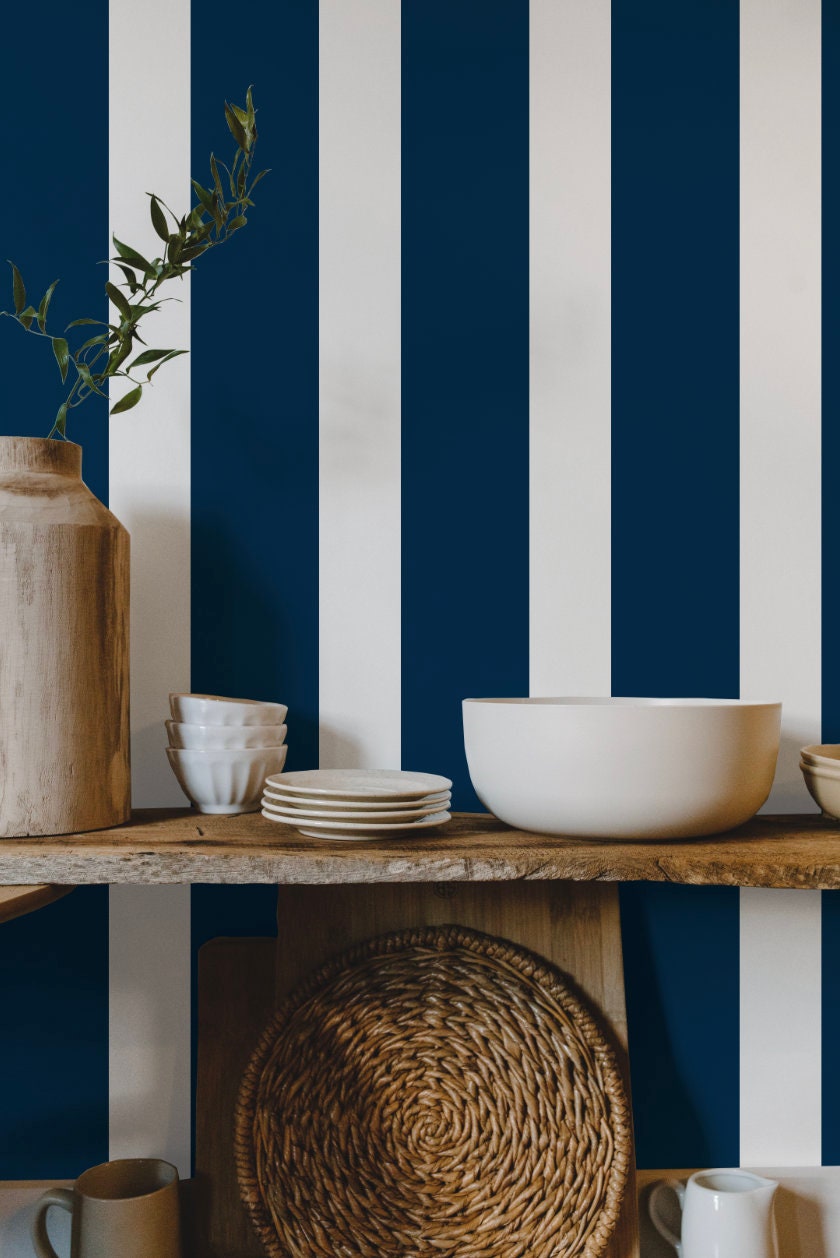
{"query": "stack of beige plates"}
{"type": "Point", "coordinates": [357, 803]}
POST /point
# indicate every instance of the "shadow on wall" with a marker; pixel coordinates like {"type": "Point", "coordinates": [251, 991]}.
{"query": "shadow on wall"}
{"type": "Point", "coordinates": [242, 641]}
{"type": "Point", "coordinates": [789, 791]}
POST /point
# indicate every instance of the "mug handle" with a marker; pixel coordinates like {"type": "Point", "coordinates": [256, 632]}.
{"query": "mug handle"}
{"type": "Point", "coordinates": [666, 1185]}
{"type": "Point", "coordinates": [52, 1197]}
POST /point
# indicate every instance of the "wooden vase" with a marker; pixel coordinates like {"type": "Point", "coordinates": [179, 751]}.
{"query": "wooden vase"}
{"type": "Point", "coordinates": [64, 736]}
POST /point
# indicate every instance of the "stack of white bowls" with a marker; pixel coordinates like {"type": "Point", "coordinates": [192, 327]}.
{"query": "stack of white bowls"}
{"type": "Point", "coordinates": [221, 750]}
{"type": "Point", "coordinates": [820, 765]}
{"type": "Point", "coordinates": [358, 803]}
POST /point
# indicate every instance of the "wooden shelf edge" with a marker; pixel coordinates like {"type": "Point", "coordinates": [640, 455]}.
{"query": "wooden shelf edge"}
{"type": "Point", "coordinates": [181, 846]}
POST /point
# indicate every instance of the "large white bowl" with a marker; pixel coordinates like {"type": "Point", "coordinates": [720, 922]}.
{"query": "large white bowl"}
{"type": "Point", "coordinates": [184, 734]}
{"type": "Point", "coordinates": [622, 768]}
{"type": "Point", "coordinates": [225, 781]}
{"type": "Point", "coordinates": [219, 710]}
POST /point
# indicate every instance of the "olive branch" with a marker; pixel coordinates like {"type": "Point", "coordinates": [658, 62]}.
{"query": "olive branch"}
{"type": "Point", "coordinates": [211, 222]}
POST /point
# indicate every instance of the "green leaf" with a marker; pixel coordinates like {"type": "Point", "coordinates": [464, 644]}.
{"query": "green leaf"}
{"type": "Point", "coordinates": [60, 425]}
{"type": "Point", "coordinates": [62, 354]}
{"type": "Point", "coordinates": [175, 247]}
{"type": "Point", "coordinates": [77, 323]}
{"type": "Point", "coordinates": [131, 256]}
{"type": "Point", "coordinates": [125, 403]}
{"type": "Point", "coordinates": [236, 128]}
{"type": "Point", "coordinates": [28, 316]}
{"type": "Point", "coordinates": [249, 105]}
{"type": "Point", "coordinates": [232, 172]}
{"type": "Point", "coordinates": [258, 177]}
{"type": "Point", "coordinates": [45, 305]}
{"type": "Point", "coordinates": [159, 219]}
{"type": "Point", "coordinates": [214, 171]}
{"type": "Point", "coordinates": [149, 356]}
{"type": "Point", "coordinates": [117, 356]}
{"type": "Point", "coordinates": [18, 290]}
{"type": "Point", "coordinates": [204, 196]}
{"type": "Point", "coordinates": [237, 222]}
{"type": "Point", "coordinates": [102, 339]}
{"type": "Point", "coordinates": [119, 299]}
{"type": "Point", "coordinates": [193, 251]}
{"type": "Point", "coordinates": [88, 380]}
{"type": "Point", "coordinates": [130, 278]}
{"type": "Point", "coordinates": [173, 353]}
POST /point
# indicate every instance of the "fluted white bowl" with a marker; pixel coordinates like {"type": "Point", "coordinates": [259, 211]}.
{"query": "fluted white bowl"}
{"type": "Point", "coordinates": [225, 780]}
{"type": "Point", "coordinates": [823, 787]}
{"type": "Point", "coordinates": [622, 768]}
{"type": "Point", "coordinates": [186, 734]}
{"type": "Point", "coordinates": [822, 755]}
{"type": "Point", "coordinates": [220, 710]}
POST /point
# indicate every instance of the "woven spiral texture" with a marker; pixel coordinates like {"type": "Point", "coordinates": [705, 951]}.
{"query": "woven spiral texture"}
{"type": "Point", "coordinates": [428, 1094]}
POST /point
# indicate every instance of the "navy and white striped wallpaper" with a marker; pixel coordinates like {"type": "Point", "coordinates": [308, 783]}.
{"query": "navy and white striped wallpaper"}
{"type": "Point", "coordinates": [522, 393]}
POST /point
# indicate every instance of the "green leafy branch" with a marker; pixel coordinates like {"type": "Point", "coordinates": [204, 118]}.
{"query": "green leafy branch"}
{"type": "Point", "coordinates": [212, 220]}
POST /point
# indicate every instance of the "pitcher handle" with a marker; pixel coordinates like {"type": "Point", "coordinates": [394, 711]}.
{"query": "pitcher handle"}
{"type": "Point", "coordinates": [666, 1185]}
{"type": "Point", "coordinates": [53, 1197]}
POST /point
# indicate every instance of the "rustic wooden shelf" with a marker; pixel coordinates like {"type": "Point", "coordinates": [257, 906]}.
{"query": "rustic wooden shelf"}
{"type": "Point", "coordinates": [179, 846]}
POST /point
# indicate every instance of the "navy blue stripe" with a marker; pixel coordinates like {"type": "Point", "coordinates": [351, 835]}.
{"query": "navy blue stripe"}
{"type": "Point", "coordinates": [54, 224]}
{"type": "Point", "coordinates": [675, 588]}
{"type": "Point", "coordinates": [830, 530]}
{"type": "Point", "coordinates": [464, 369]}
{"type": "Point", "coordinates": [681, 947]}
{"type": "Point", "coordinates": [255, 401]}
{"type": "Point", "coordinates": [54, 210]}
{"type": "Point", "coordinates": [830, 997]}
{"type": "Point", "coordinates": [54, 1040]}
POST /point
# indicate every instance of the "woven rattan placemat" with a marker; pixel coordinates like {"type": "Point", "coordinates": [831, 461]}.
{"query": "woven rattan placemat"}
{"type": "Point", "coordinates": [433, 1093]}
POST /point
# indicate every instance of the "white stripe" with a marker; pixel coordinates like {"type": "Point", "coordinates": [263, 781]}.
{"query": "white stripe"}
{"type": "Point", "coordinates": [149, 1024]}
{"type": "Point", "coordinates": [570, 347]}
{"type": "Point", "coordinates": [780, 547]}
{"type": "Point", "coordinates": [150, 493]}
{"type": "Point", "coordinates": [780, 1027]}
{"type": "Point", "coordinates": [359, 301]}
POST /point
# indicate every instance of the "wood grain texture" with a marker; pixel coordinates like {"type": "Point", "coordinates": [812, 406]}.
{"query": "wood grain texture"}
{"type": "Point", "coordinates": [178, 845]}
{"type": "Point", "coordinates": [17, 901]}
{"type": "Point", "coordinates": [63, 646]}
{"type": "Point", "coordinates": [575, 926]}
{"type": "Point", "coordinates": [235, 1000]}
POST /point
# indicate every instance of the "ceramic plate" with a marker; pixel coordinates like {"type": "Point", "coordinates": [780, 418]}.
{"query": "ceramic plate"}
{"type": "Point", "coordinates": [328, 803]}
{"type": "Point", "coordinates": [335, 814]}
{"type": "Point", "coordinates": [348, 830]}
{"type": "Point", "coordinates": [384, 784]}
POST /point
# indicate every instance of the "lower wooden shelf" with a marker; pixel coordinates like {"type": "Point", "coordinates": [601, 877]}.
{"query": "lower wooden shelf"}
{"type": "Point", "coordinates": [180, 846]}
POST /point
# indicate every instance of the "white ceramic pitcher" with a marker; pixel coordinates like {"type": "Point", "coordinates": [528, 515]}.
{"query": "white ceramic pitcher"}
{"type": "Point", "coordinates": [725, 1214]}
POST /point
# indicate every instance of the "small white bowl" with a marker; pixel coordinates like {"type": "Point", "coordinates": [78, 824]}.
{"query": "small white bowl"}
{"type": "Point", "coordinates": [218, 710]}
{"type": "Point", "coordinates": [823, 755]}
{"type": "Point", "coordinates": [827, 768]}
{"type": "Point", "coordinates": [824, 788]}
{"type": "Point", "coordinates": [225, 780]}
{"type": "Point", "coordinates": [185, 734]}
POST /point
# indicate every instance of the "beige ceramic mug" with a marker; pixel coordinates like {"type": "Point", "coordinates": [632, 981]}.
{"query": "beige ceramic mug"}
{"type": "Point", "coordinates": [127, 1208]}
